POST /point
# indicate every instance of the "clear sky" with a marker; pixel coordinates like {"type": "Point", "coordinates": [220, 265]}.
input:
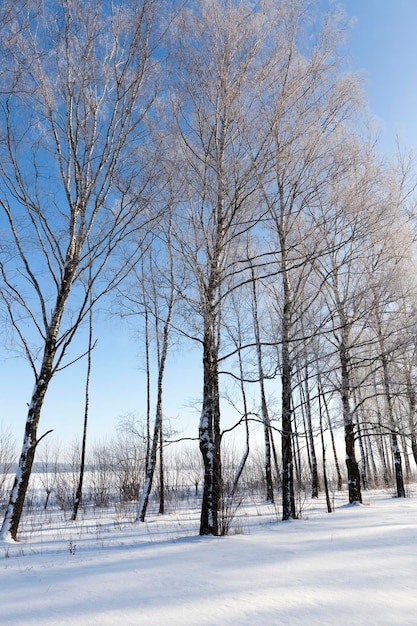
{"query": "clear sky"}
{"type": "Point", "coordinates": [383, 45]}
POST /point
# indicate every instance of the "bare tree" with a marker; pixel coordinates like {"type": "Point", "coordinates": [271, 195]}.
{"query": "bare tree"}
{"type": "Point", "coordinates": [306, 110]}
{"type": "Point", "coordinates": [221, 52]}
{"type": "Point", "coordinates": [79, 88]}
{"type": "Point", "coordinates": [164, 276]}
{"type": "Point", "coordinates": [268, 436]}
{"type": "Point", "coordinates": [353, 221]}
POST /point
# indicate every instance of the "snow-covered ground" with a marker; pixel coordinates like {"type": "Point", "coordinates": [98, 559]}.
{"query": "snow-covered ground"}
{"type": "Point", "coordinates": [355, 566]}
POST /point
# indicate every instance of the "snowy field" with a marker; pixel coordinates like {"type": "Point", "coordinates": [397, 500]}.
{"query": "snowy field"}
{"type": "Point", "coordinates": [355, 566]}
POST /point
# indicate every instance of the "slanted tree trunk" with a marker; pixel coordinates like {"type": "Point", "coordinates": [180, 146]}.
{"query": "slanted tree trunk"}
{"type": "Point", "coordinates": [162, 353]}
{"type": "Point", "coordinates": [18, 493]}
{"type": "Point", "coordinates": [157, 433]}
{"type": "Point", "coordinates": [150, 469]}
{"type": "Point", "coordinates": [79, 490]}
{"type": "Point", "coordinates": [79, 119]}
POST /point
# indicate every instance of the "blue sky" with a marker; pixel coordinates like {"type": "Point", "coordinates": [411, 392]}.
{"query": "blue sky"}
{"type": "Point", "coordinates": [383, 45]}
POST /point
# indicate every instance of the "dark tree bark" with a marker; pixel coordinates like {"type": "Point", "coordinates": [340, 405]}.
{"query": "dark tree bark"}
{"type": "Point", "coordinates": [18, 493]}
{"type": "Point", "coordinates": [78, 116]}
{"type": "Point", "coordinates": [324, 460]}
{"type": "Point", "coordinates": [288, 500]}
{"type": "Point", "coordinates": [79, 490]}
{"type": "Point", "coordinates": [396, 453]}
{"type": "Point", "coordinates": [354, 479]}
{"type": "Point", "coordinates": [264, 406]}
{"type": "Point", "coordinates": [209, 433]}
{"type": "Point", "coordinates": [306, 406]}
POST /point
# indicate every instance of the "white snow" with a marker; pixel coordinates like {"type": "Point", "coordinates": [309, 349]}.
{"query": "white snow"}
{"type": "Point", "coordinates": [355, 566]}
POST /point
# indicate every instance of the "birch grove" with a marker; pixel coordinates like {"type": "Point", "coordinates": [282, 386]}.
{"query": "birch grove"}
{"type": "Point", "coordinates": [206, 167]}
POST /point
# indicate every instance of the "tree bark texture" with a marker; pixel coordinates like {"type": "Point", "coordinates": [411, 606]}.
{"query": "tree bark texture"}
{"type": "Point", "coordinates": [209, 435]}
{"type": "Point", "coordinates": [354, 479]}
{"type": "Point", "coordinates": [30, 441]}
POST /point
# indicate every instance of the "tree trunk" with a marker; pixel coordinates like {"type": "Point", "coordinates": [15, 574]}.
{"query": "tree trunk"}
{"type": "Point", "coordinates": [412, 403]}
{"type": "Point", "coordinates": [30, 441]}
{"type": "Point", "coordinates": [362, 463]}
{"type": "Point", "coordinates": [311, 447]}
{"type": "Point", "coordinates": [157, 433]}
{"type": "Point", "coordinates": [399, 479]}
{"type": "Point", "coordinates": [322, 396]}
{"type": "Point", "coordinates": [264, 406]}
{"type": "Point", "coordinates": [406, 458]}
{"type": "Point", "coordinates": [79, 491]}
{"type": "Point", "coordinates": [161, 509]}
{"type": "Point", "coordinates": [354, 479]}
{"type": "Point", "coordinates": [288, 500]}
{"type": "Point", "coordinates": [245, 454]}
{"type": "Point", "coordinates": [209, 435]}
{"type": "Point", "coordinates": [323, 448]}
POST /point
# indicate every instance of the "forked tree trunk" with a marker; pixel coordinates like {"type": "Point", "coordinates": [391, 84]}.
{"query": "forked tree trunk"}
{"type": "Point", "coordinates": [150, 468]}
{"type": "Point", "coordinates": [157, 440]}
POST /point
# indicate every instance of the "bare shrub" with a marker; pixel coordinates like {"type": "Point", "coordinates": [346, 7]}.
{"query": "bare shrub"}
{"type": "Point", "coordinates": [128, 453]}
{"type": "Point", "coordinates": [101, 475]}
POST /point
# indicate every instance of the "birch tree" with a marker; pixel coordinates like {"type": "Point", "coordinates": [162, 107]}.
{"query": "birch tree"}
{"type": "Point", "coordinates": [353, 222]}
{"type": "Point", "coordinates": [306, 109]}
{"type": "Point", "coordinates": [221, 58]}
{"type": "Point", "coordinates": [80, 80]}
{"type": "Point", "coordinates": [163, 310]}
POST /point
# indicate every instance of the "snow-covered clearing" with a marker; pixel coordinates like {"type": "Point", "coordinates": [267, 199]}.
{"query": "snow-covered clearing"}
{"type": "Point", "coordinates": [355, 566]}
